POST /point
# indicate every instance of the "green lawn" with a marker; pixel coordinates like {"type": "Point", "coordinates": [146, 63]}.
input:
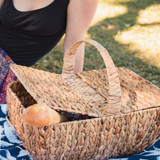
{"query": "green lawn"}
{"type": "Point", "coordinates": [129, 30]}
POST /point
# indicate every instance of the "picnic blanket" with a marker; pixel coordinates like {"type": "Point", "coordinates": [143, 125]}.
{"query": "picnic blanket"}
{"type": "Point", "coordinates": [11, 148]}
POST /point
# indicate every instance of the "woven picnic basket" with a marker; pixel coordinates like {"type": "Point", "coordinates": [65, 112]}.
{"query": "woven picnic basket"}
{"type": "Point", "coordinates": [113, 111]}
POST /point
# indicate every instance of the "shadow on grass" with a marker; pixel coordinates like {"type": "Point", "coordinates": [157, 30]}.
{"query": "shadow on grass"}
{"type": "Point", "coordinates": [121, 55]}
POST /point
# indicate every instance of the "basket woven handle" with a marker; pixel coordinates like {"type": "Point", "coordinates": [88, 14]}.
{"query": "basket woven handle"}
{"type": "Point", "coordinates": [114, 100]}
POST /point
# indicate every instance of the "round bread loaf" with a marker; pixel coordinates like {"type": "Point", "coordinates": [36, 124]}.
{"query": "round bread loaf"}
{"type": "Point", "coordinates": [41, 115]}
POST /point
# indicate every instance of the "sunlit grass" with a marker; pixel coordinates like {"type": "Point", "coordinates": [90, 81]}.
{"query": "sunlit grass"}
{"type": "Point", "coordinates": [108, 10]}
{"type": "Point", "coordinates": [149, 15]}
{"type": "Point", "coordinates": [144, 39]}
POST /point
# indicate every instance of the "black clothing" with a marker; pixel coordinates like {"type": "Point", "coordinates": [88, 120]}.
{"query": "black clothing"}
{"type": "Point", "coordinates": [26, 36]}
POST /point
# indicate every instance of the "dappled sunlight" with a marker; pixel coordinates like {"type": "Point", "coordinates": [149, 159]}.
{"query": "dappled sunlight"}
{"type": "Point", "coordinates": [150, 15]}
{"type": "Point", "coordinates": [108, 10]}
{"type": "Point", "coordinates": [144, 40]}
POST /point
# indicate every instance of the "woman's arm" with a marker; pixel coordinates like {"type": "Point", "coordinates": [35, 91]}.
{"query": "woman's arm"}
{"type": "Point", "coordinates": [1, 2]}
{"type": "Point", "coordinates": [79, 16]}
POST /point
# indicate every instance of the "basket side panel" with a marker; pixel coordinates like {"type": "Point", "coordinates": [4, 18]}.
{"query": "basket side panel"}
{"type": "Point", "coordinates": [14, 112]}
{"type": "Point", "coordinates": [105, 138]}
{"type": "Point", "coordinates": [91, 139]}
{"type": "Point", "coordinates": [32, 137]}
{"type": "Point", "coordinates": [131, 133]}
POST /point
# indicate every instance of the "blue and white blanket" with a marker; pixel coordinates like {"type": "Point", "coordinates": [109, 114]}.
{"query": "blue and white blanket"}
{"type": "Point", "coordinates": [11, 148]}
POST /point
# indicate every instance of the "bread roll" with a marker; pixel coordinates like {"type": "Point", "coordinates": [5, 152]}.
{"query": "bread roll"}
{"type": "Point", "coordinates": [41, 115]}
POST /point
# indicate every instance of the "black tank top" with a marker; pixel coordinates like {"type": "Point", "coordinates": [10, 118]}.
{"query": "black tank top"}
{"type": "Point", "coordinates": [26, 36]}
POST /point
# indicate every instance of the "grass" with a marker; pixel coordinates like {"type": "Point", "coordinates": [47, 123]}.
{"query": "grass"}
{"type": "Point", "coordinates": [129, 30]}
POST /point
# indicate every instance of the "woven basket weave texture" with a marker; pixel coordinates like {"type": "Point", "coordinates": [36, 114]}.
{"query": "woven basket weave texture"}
{"type": "Point", "coordinates": [122, 108]}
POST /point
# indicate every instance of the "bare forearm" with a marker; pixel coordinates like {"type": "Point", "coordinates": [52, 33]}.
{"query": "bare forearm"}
{"type": "Point", "coordinates": [79, 16]}
{"type": "Point", "coordinates": [79, 60]}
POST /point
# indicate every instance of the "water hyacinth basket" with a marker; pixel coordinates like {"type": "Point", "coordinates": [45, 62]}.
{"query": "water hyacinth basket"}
{"type": "Point", "coordinates": [114, 112]}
